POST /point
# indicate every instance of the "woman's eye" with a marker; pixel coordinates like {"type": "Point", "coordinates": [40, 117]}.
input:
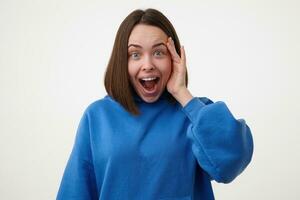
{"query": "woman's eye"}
{"type": "Point", "coordinates": [158, 53]}
{"type": "Point", "coordinates": [135, 55]}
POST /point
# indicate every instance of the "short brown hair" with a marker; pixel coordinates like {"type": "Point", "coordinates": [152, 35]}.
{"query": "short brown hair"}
{"type": "Point", "coordinates": [116, 80]}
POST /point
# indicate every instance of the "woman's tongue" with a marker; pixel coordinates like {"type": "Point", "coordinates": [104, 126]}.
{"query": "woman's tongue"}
{"type": "Point", "coordinates": [149, 85]}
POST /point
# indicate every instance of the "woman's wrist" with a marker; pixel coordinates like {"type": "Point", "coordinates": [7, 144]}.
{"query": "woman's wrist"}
{"type": "Point", "coordinates": [183, 96]}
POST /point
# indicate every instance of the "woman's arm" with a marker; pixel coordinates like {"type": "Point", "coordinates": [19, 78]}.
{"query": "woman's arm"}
{"type": "Point", "coordinates": [78, 180]}
{"type": "Point", "coordinates": [222, 145]}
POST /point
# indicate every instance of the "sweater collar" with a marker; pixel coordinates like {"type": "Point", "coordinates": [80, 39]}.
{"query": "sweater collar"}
{"type": "Point", "coordinates": [138, 99]}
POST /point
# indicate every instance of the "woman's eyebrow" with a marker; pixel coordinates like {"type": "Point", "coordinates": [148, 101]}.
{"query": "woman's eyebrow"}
{"type": "Point", "coordinates": [158, 44]}
{"type": "Point", "coordinates": [139, 46]}
{"type": "Point", "coordinates": [135, 45]}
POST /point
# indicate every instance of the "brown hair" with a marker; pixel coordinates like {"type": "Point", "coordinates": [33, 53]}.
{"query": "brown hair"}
{"type": "Point", "coordinates": [116, 80]}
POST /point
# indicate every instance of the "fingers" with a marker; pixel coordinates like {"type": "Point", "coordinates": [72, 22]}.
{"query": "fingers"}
{"type": "Point", "coordinates": [182, 52]}
{"type": "Point", "coordinates": [172, 49]}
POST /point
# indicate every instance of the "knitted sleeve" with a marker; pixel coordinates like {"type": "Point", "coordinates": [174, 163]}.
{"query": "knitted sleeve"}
{"type": "Point", "coordinates": [222, 145]}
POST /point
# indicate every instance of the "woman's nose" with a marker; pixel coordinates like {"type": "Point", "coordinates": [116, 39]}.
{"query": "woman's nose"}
{"type": "Point", "coordinates": [148, 64]}
{"type": "Point", "coordinates": [147, 67]}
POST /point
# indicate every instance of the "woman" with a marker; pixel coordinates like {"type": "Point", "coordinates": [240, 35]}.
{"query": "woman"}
{"type": "Point", "coordinates": [149, 138]}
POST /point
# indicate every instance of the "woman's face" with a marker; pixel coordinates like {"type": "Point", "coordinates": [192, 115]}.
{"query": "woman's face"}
{"type": "Point", "coordinates": [149, 61]}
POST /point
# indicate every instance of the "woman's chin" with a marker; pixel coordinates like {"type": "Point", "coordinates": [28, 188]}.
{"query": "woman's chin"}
{"type": "Point", "coordinates": [150, 99]}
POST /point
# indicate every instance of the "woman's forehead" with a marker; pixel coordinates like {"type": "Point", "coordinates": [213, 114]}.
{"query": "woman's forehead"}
{"type": "Point", "coordinates": [146, 35]}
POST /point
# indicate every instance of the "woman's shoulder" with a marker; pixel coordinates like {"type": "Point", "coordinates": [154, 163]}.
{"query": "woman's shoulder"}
{"type": "Point", "coordinates": [205, 100]}
{"type": "Point", "coordinates": [100, 104]}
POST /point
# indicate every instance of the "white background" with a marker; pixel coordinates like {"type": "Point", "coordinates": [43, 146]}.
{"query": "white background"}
{"type": "Point", "coordinates": [53, 55]}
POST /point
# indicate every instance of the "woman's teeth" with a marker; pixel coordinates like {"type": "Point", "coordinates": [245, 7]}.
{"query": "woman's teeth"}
{"type": "Point", "coordinates": [149, 79]}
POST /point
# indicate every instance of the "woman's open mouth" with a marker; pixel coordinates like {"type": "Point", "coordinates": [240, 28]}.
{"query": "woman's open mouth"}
{"type": "Point", "coordinates": [149, 85]}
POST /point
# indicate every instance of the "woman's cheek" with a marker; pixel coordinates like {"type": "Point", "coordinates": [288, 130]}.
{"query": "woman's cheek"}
{"type": "Point", "coordinates": [132, 69]}
{"type": "Point", "coordinates": [169, 67]}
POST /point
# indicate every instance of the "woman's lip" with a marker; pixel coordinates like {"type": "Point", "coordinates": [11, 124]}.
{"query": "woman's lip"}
{"type": "Point", "coordinates": [156, 80]}
{"type": "Point", "coordinates": [156, 77]}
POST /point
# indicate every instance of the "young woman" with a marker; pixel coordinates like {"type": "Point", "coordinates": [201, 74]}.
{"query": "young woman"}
{"type": "Point", "coordinates": [149, 138]}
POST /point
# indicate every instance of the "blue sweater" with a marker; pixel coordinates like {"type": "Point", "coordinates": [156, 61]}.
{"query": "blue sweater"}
{"type": "Point", "coordinates": [169, 152]}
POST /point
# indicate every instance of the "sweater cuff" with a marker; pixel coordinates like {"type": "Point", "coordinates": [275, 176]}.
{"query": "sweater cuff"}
{"type": "Point", "coordinates": [191, 109]}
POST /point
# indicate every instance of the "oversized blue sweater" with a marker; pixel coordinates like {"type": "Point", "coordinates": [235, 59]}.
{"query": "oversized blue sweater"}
{"type": "Point", "coordinates": [168, 152]}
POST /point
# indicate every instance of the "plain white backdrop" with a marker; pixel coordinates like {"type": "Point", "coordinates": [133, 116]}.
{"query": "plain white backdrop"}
{"type": "Point", "coordinates": [53, 56]}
